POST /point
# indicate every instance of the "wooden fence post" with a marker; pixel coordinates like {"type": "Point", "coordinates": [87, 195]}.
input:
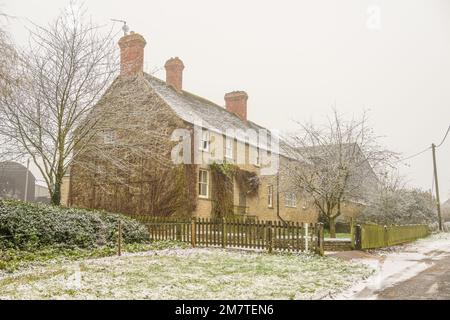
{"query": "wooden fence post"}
{"type": "Point", "coordinates": [119, 239]}
{"type": "Point", "coordinates": [193, 232]}
{"type": "Point", "coordinates": [224, 233]}
{"type": "Point", "coordinates": [352, 233]}
{"type": "Point", "coordinates": [358, 237]}
{"type": "Point", "coordinates": [306, 225]}
{"type": "Point", "coordinates": [320, 240]}
{"type": "Point", "coordinates": [177, 231]}
{"type": "Point", "coordinates": [386, 236]}
{"type": "Point", "coordinates": [269, 237]}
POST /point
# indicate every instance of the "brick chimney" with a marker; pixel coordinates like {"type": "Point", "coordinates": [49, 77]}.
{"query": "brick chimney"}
{"type": "Point", "coordinates": [132, 54]}
{"type": "Point", "coordinates": [174, 73]}
{"type": "Point", "coordinates": [236, 102]}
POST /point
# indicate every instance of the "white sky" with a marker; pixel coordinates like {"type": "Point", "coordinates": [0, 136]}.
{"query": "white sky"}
{"type": "Point", "coordinates": [296, 59]}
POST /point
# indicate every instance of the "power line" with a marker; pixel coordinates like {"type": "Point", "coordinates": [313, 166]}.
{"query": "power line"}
{"type": "Point", "coordinates": [414, 155]}
{"type": "Point", "coordinates": [445, 137]}
{"type": "Point", "coordinates": [425, 150]}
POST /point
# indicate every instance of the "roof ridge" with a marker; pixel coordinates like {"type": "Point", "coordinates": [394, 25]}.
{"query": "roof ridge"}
{"type": "Point", "coordinates": [221, 108]}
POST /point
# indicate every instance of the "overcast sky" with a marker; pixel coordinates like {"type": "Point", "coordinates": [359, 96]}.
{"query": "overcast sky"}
{"type": "Point", "coordinates": [296, 59]}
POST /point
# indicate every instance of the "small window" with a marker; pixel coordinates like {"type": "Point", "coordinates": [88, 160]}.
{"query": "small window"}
{"type": "Point", "coordinates": [254, 156]}
{"type": "Point", "coordinates": [203, 184]}
{"type": "Point", "coordinates": [270, 196]}
{"type": "Point", "coordinates": [229, 148]}
{"type": "Point", "coordinates": [109, 137]}
{"type": "Point", "coordinates": [204, 145]}
{"type": "Point", "coordinates": [291, 200]}
{"type": "Point", "coordinates": [257, 158]}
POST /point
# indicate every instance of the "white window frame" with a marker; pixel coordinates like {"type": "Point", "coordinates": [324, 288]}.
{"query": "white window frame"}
{"type": "Point", "coordinates": [205, 141]}
{"type": "Point", "coordinates": [290, 200]}
{"type": "Point", "coordinates": [109, 137]}
{"type": "Point", "coordinates": [257, 158]}
{"type": "Point", "coordinates": [270, 196]}
{"type": "Point", "coordinates": [254, 157]}
{"type": "Point", "coordinates": [229, 148]}
{"type": "Point", "coordinates": [203, 183]}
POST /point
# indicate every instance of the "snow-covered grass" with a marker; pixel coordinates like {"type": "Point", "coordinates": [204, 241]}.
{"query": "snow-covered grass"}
{"type": "Point", "coordinates": [12, 259]}
{"type": "Point", "coordinates": [186, 274]}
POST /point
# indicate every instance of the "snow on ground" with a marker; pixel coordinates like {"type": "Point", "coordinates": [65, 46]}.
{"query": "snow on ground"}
{"type": "Point", "coordinates": [186, 274]}
{"type": "Point", "coordinates": [397, 264]}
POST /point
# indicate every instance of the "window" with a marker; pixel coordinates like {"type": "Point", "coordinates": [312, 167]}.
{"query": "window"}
{"type": "Point", "coordinates": [270, 196]}
{"type": "Point", "coordinates": [109, 137]}
{"type": "Point", "coordinates": [229, 148]}
{"type": "Point", "coordinates": [254, 156]}
{"type": "Point", "coordinates": [290, 199]}
{"type": "Point", "coordinates": [257, 158]}
{"type": "Point", "coordinates": [203, 184]}
{"type": "Point", "coordinates": [204, 145]}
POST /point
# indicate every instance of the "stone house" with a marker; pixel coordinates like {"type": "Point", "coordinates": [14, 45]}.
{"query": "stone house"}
{"type": "Point", "coordinates": [148, 115]}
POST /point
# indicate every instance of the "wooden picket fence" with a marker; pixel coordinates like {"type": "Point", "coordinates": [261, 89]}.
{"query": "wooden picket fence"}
{"type": "Point", "coordinates": [237, 233]}
{"type": "Point", "coordinates": [372, 236]}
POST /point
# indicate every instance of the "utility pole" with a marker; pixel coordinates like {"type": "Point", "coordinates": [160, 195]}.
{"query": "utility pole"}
{"type": "Point", "coordinates": [26, 181]}
{"type": "Point", "coordinates": [438, 201]}
{"type": "Point", "coordinates": [278, 196]}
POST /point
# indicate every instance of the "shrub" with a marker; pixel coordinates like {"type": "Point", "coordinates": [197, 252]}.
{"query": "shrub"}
{"type": "Point", "coordinates": [399, 207]}
{"type": "Point", "coordinates": [24, 226]}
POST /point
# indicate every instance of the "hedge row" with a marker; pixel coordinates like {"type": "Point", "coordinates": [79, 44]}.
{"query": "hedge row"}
{"type": "Point", "coordinates": [24, 225]}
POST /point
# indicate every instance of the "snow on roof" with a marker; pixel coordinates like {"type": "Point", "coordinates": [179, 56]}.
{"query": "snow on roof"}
{"type": "Point", "coordinates": [192, 108]}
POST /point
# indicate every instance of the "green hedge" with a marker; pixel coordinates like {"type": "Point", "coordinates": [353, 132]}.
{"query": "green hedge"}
{"type": "Point", "coordinates": [377, 236]}
{"type": "Point", "coordinates": [24, 225]}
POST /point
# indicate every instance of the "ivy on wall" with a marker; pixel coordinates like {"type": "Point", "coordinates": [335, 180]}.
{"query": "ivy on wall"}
{"type": "Point", "coordinates": [222, 176]}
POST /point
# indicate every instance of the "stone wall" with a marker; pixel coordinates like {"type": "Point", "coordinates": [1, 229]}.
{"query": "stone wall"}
{"type": "Point", "coordinates": [337, 245]}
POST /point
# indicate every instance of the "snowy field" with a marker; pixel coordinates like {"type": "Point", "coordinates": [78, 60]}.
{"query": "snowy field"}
{"type": "Point", "coordinates": [186, 274]}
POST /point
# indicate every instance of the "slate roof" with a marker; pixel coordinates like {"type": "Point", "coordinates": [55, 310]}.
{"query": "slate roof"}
{"type": "Point", "coordinates": [191, 108]}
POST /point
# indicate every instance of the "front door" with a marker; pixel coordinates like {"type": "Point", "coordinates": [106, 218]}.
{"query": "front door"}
{"type": "Point", "coordinates": [242, 203]}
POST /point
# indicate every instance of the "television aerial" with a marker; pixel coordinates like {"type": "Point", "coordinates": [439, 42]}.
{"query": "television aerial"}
{"type": "Point", "coordinates": [125, 27]}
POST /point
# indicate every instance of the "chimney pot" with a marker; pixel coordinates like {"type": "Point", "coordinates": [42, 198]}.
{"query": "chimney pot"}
{"type": "Point", "coordinates": [236, 102]}
{"type": "Point", "coordinates": [174, 73]}
{"type": "Point", "coordinates": [132, 54]}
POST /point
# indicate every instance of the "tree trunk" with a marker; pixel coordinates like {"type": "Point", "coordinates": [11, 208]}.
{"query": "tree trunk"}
{"type": "Point", "coordinates": [332, 227]}
{"type": "Point", "coordinates": [56, 194]}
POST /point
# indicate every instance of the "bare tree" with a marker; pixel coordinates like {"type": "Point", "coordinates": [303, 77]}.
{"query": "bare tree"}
{"type": "Point", "coordinates": [337, 164]}
{"type": "Point", "coordinates": [126, 167]}
{"type": "Point", "coordinates": [8, 58]}
{"type": "Point", "coordinates": [65, 69]}
{"type": "Point", "coordinates": [394, 203]}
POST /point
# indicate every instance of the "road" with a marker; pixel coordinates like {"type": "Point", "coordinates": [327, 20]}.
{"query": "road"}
{"type": "Point", "coordinates": [432, 283]}
{"type": "Point", "coordinates": [420, 270]}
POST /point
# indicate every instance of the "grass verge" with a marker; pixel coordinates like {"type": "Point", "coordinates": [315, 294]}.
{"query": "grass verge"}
{"type": "Point", "coordinates": [187, 274]}
{"type": "Point", "coordinates": [15, 259]}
